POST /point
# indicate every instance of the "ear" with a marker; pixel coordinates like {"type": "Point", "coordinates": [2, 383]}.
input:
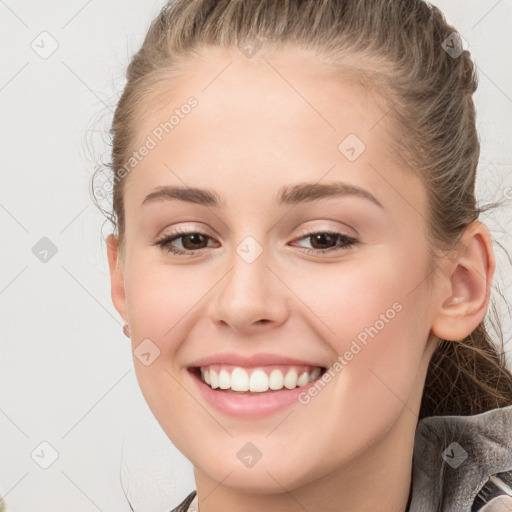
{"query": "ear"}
{"type": "Point", "coordinates": [468, 278]}
{"type": "Point", "coordinates": [116, 276]}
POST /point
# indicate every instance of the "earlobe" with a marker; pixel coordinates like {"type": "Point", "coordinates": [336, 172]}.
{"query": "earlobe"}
{"type": "Point", "coordinates": [469, 278]}
{"type": "Point", "coordinates": [116, 276]}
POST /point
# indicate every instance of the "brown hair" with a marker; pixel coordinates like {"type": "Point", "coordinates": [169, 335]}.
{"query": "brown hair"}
{"type": "Point", "coordinates": [400, 48]}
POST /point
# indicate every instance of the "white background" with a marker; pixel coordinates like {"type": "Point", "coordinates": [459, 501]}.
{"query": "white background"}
{"type": "Point", "coordinates": [66, 370]}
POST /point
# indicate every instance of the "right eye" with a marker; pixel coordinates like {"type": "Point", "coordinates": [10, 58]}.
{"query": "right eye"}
{"type": "Point", "coordinates": [190, 240]}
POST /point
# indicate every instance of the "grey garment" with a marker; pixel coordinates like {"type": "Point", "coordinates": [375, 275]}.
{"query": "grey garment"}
{"type": "Point", "coordinates": [463, 463]}
{"type": "Point", "coordinates": [184, 505]}
{"type": "Point", "coordinates": [460, 464]}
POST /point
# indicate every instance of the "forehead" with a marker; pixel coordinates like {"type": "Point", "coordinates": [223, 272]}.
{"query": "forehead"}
{"type": "Point", "coordinates": [283, 114]}
{"type": "Point", "coordinates": [280, 83]}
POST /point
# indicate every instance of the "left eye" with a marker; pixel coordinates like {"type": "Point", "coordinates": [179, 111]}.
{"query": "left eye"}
{"type": "Point", "coordinates": [329, 238]}
{"type": "Point", "coordinates": [191, 240]}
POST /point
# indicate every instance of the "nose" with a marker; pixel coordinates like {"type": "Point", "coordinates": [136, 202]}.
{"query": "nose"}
{"type": "Point", "coordinates": [250, 296]}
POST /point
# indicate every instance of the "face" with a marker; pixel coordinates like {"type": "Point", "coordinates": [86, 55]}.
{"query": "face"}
{"type": "Point", "coordinates": [271, 276]}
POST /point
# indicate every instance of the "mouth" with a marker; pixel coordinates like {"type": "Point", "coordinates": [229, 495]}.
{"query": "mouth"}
{"type": "Point", "coordinates": [256, 380]}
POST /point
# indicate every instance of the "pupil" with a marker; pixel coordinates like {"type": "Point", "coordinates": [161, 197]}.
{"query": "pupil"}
{"type": "Point", "coordinates": [192, 236]}
{"type": "Point", "coordinates": [321, 236]}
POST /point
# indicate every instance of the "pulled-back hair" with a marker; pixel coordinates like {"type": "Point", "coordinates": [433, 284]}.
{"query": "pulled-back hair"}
{"type": "Point", "coordinates": [405, 50]}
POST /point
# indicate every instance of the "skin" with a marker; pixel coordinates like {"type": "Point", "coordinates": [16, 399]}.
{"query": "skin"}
{"type": "Point", "coordinates": [351, 447]}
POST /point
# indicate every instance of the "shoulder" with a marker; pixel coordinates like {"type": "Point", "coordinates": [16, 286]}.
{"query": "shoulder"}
{"type": "Point", "coordinates": [463, 463]}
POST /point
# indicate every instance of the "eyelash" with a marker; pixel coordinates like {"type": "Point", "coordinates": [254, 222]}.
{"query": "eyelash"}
{"type": "Point", "coordinates": [347, 242]}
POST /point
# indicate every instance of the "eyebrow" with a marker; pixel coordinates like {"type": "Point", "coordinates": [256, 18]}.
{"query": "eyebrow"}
{"type": "Point", "coordinates": [287, 195]}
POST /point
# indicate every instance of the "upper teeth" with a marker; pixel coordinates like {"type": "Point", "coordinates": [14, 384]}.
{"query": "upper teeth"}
{"type": "Point", "coordinates": [239, 379]}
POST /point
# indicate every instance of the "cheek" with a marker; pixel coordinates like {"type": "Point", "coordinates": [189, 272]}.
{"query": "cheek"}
{"type": "Point", "coordinates": [374, 317]}
{"type": "Point", "coordinates": [162, 302]}
{"type": "Point", "coordinates": [161, 299]}
{"type": "Point", "coordinates": [377, 327]}
{"type": "Point", "coordinates": [362, 299]}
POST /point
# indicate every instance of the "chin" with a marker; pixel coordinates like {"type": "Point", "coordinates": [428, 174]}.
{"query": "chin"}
{"type": "Point", "coordinates": [260, 479]}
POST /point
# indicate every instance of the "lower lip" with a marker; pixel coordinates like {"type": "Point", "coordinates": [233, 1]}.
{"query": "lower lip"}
{"type": "Point", "coordinates": [250, 405]}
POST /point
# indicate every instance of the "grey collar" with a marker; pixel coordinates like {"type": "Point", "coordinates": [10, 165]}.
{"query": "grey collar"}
{"type": "Point", "coordinates": [454, 456]}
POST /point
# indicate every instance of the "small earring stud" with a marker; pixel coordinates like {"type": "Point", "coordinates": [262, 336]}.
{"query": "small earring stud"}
{"type": "Point", "coordinates": [126, 330]}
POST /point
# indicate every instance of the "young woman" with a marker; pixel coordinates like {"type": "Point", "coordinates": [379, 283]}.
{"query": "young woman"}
{"type": "Point", "coordinates": [299, 262]}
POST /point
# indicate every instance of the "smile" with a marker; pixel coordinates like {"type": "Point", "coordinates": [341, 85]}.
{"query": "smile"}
{"type": "Point", "coordinates": [257, 380]}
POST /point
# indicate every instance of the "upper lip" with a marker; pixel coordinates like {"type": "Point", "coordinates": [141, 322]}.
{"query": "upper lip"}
{"type": "Point", "coordinates": [261, 359]}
